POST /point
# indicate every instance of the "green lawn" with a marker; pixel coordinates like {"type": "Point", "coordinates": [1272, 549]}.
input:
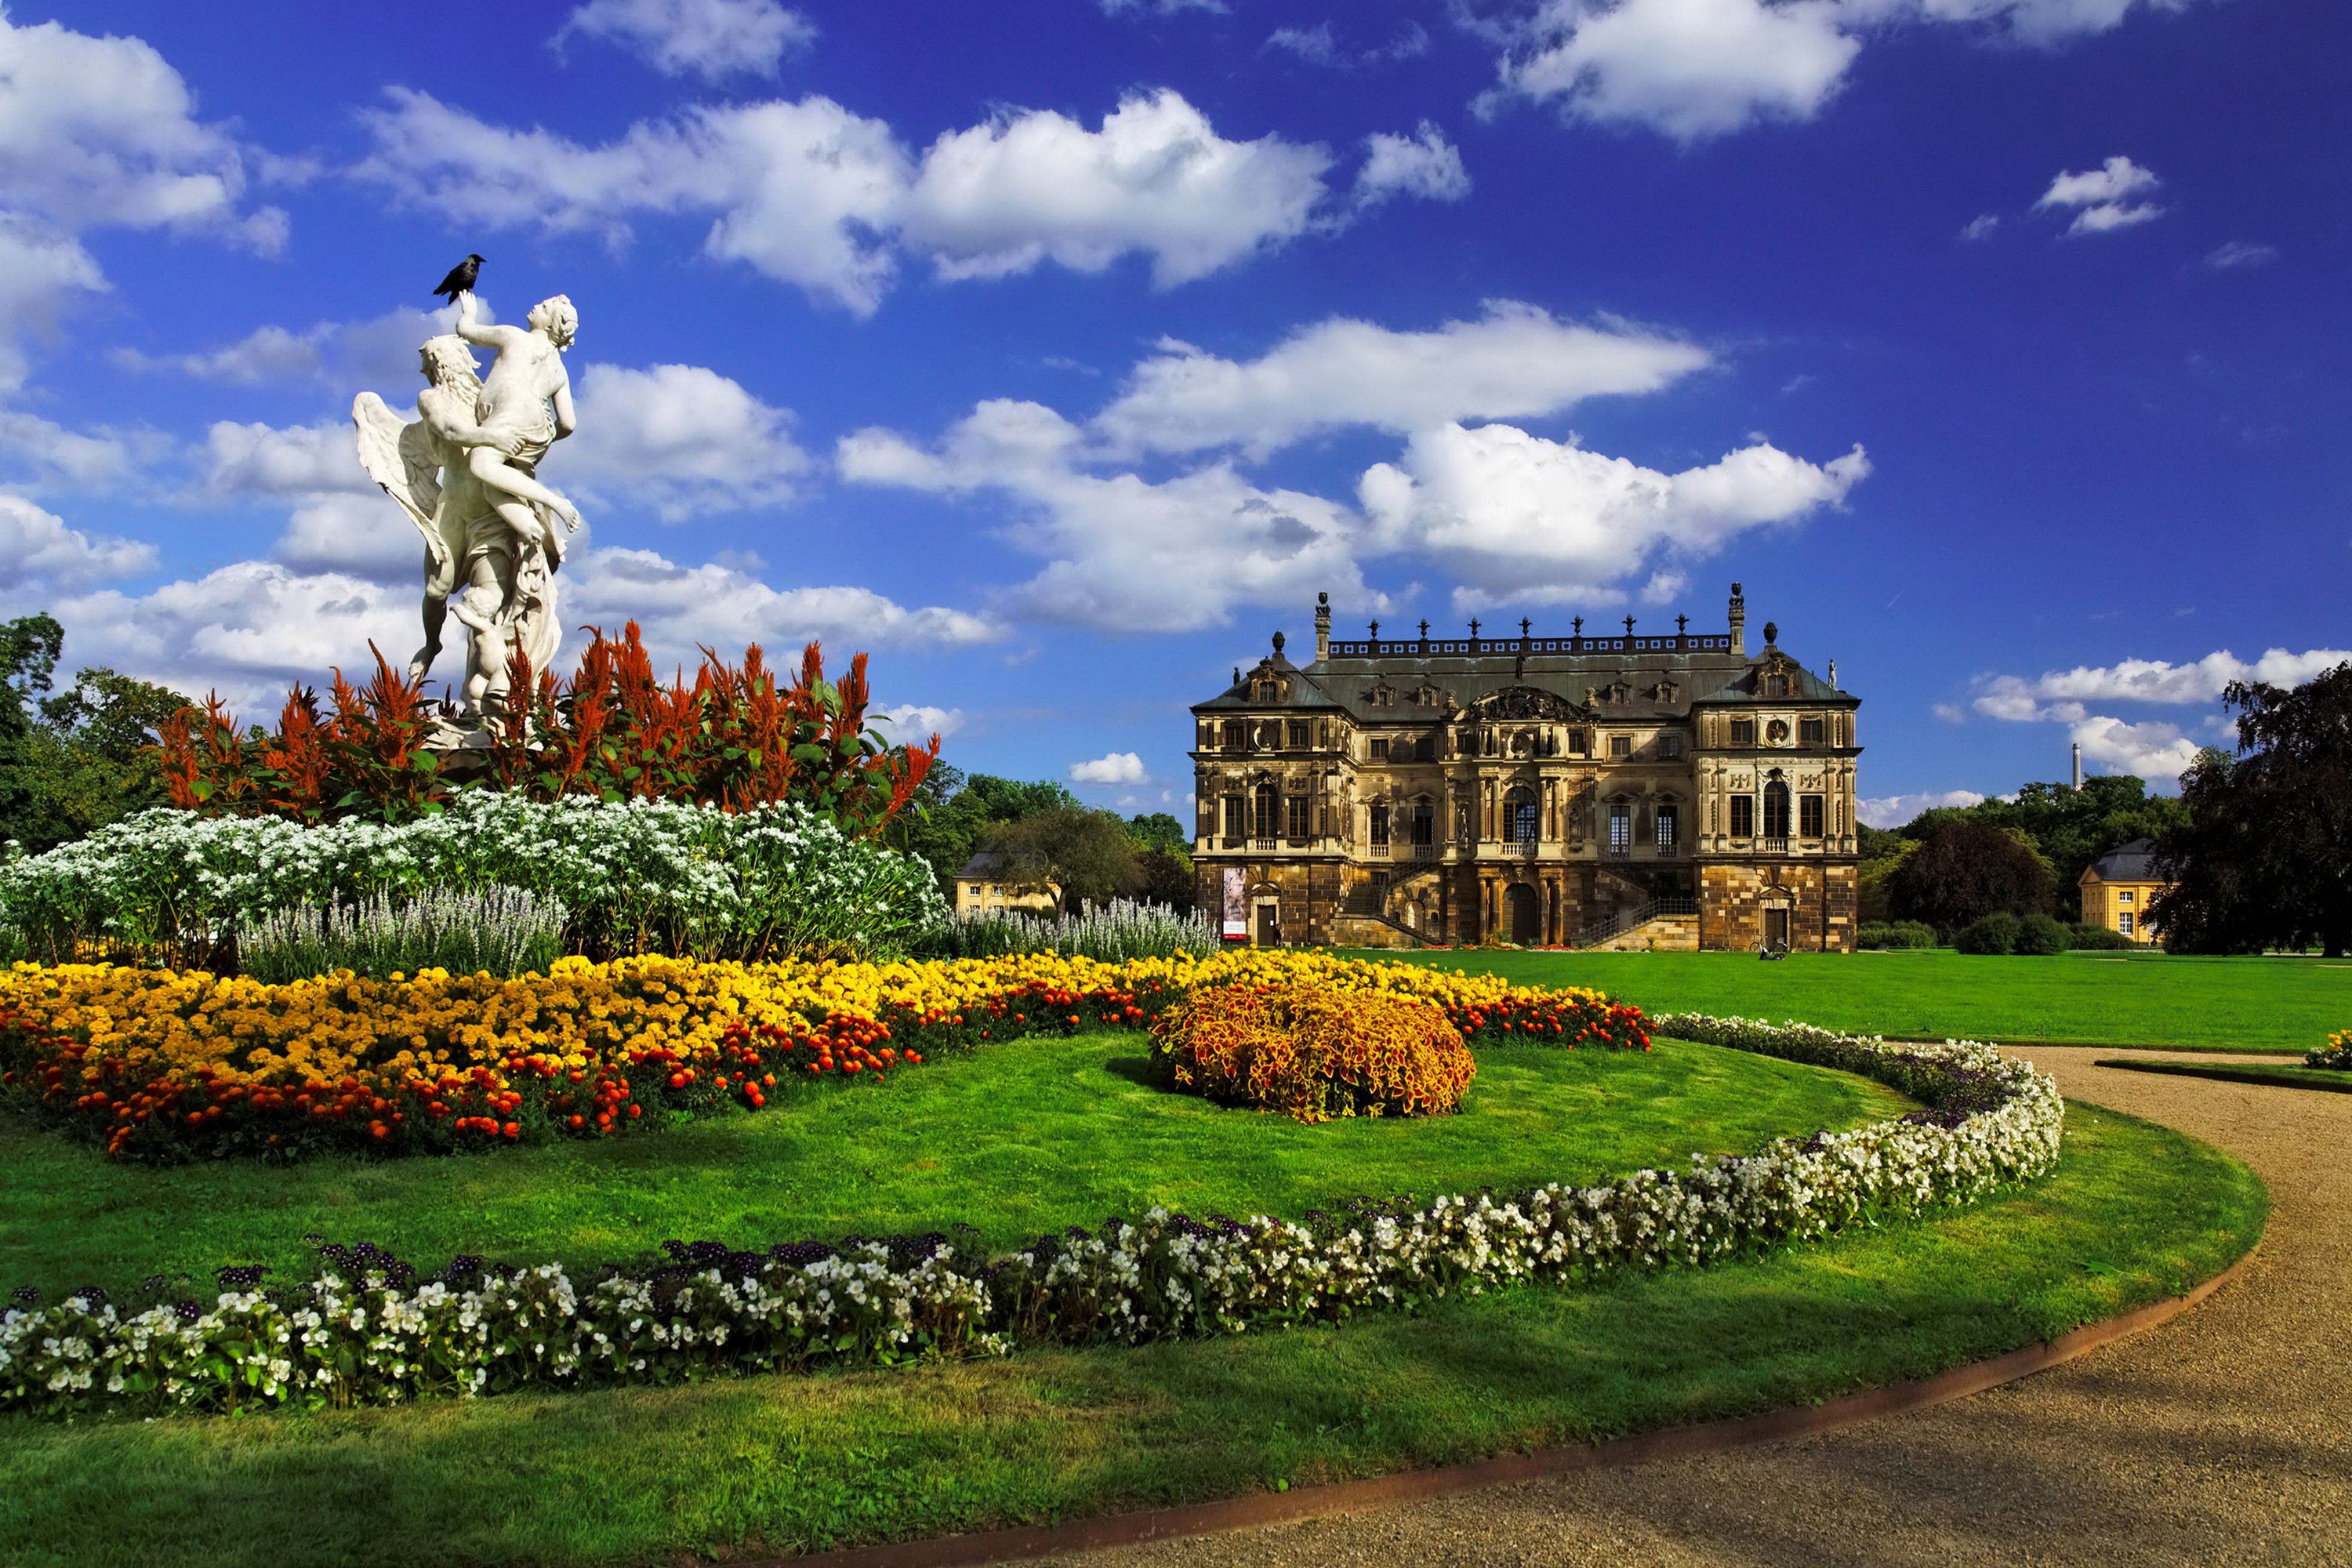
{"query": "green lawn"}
{"type": "Point", "coordinates": [1017, 1138]}
{"type": "Point", "coordinates": [2152, 1001]}
{"type": "Point", "coordinates": [2134, 1213]}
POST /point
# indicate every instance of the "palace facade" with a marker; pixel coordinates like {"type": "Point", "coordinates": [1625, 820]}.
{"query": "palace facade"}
{"type": "Point", "coordinates": [1634, 790]}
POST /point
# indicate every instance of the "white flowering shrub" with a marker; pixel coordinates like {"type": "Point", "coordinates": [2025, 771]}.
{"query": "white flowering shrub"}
{"type": "Point", "coordinates": [1123, 929]}
{"type": "Point", "coordinates": [636, 877]}
{"type": "Point", "coordinates": [365, 1332]}
{"type": "Point", "coordinates": [498, 930]}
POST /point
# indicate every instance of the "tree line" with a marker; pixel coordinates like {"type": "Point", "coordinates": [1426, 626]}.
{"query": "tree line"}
{"type": "Point", "coordinates": [2257, 847]}
{"type": "Point", "coordinates": [1039, 832]}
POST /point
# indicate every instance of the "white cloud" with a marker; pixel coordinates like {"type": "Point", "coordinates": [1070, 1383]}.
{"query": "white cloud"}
{"type": "Point", "coordinates": [265, 356]}
{"type": "Point", "coordinates": [1696, 68]}
{"type": "Point", "coordinates": [914, 724]}
{"type": "Point", "coordinates": [2153, 750]}
{"type": "Point", "coordinates": [246, 460]}
{"type": "Point", "coordinates": [812, 195]}
{"type": "Point", "coordinates": [681, 606]}
{"type": "Point", "coordinates": [1895, 810]}
{"type": "Point", "coordinates": [713, 39]}
{"type": "Point", "coordinates": [362, 536]}
{"type": "Point", "coordinates": [2101, 198]}
{"type": "Point", "coordinates": [2147, 680]}
{"type": "Point", "coordinates": [1124, 553]}
{"type": "Point", "coordinates": [1423, 165]}
{"type": "Point", "coordinates": [42, 453]}
{"type": "Point", "coordinates": [800, 190]}
{"type": "Point", "coordinates": [39, 550]}
{"type": "Point", "coordinates": [101, 133]}
{"type": "Point", "coordinates": [1159, 7]}
{"type": "Point", "coordinates": [2238, 253]}
{"type": "Point", "coordinates": [1318, 46]}
{"type": "Point", "coordinates": [1981, 227]}
{"type": "Point", "coordinates": [1516, 517]}
{"type": "Point", "coordinates": [251, 627]}
{"type": "Point", "coordinates": [1156, 178]}
{"type": "Point", "coordinates": [1691, 68]}
{"type": "Point", "coordinates": [1513, 361]}
{"type": "Point", "coordinates": [1117, 768]}
{"type": "Point", "coordinates": [681, 439]}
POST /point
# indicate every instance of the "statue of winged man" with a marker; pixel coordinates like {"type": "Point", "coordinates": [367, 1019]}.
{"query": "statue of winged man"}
{"type": "Point", "coordinates": [466, 472]}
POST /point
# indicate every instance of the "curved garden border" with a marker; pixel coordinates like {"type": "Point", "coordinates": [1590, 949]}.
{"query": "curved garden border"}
{"type": "Point", "coordinates": [1335, 1498]}
{"type": "Point", "coordinates": [365, 1335]}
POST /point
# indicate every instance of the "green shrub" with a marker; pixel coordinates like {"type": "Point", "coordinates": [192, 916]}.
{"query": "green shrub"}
{"type": "Point", "coordinates": [1897, 934]}
{"type": "Point", "coordinates": [2097, 939]}
{"type": "Point", "coordinates": [1992, 935]}
{"type": "Point", "coordinates": [2038, 936]}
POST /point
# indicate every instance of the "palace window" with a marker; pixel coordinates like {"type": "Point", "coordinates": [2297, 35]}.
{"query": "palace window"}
{"type": "Point", "coordinates": [1776, 684]}
{"type": "Point", "coordinates": [1265, 691]}
{"type": "Point", "coordinates": [1775, 810]}
{"type": "Point", "coordinates": [2124, 923]}
{"type": "Point", "coordinates": [2123, 896]}
{"type": "Point", "coordinates": [1670, 744]}
{"type": "Point", "coordinates": [1743, 732]}
{"type": "Point", "coordinates": [1425, 749]}
{"type": "Point", "coordinates": [1579, 742]}
{"type": "Point", "coordinates": [1520, 816]}
{"type": "Point", "coordinates": [1424, 822]}
{"type": "Point", "coordinates": [1267, 805]}
{"type": "Point", "coordinates": [1299, 736]}
{"type": "Point", "coordinates": [1621, 828]}
{"type": "Point", "coordinates": [1812, 732]}
{"type": "Point", "coordinates": [1302, 819]}
{"type": "Point", "coordinates": [1229, 735]}
{"type": "Point", "coordinates": [1743, 817]}
{"type": "Point", "coordinates": [1380, 824]}
{"type": "Point", "coordinates": [1809, 816]}
{"type": "Point", "coordinates": [1236, 824]}
{"type": "Point", "coordinates": [1379, 748]}
{"type": "Point", "coordinates": [1383, 696]}
{"type": "Point", "coordinates": [1669, 825]}
{"type": "Point", "coordinates": [1621, 745]}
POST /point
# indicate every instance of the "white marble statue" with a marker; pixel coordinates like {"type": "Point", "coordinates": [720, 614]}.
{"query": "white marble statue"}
{"type": "Point", "coordinates": [466, 472]}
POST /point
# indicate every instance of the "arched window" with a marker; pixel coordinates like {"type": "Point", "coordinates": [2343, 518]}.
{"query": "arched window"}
{"type": "Point", "coordinates": [1776, 809]}
{"type": "Point", "coordinates": [1519, 816]}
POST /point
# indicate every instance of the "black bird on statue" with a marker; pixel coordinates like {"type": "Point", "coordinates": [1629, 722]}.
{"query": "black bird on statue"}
{"type": "Point", "coordinates": [461, 279]}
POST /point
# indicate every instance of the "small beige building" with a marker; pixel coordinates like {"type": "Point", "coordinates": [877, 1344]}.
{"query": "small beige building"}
{"type": "Point", "coordinates": [982, 887]}
{"type": "Point", "coordinates": [2117, 889]}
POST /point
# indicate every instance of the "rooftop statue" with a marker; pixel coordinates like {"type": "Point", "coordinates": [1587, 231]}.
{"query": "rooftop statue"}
{"type": "Point", "coordinates": [466, 472]}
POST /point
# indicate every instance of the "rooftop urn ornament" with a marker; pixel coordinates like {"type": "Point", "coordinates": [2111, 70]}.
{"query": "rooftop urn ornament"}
{"type": "Point", "coordinates": [1277, 642]}
{"type": "Point", "coordinates": [1772, 633]}
{"type": "Point", "coordinates": [466, 473]}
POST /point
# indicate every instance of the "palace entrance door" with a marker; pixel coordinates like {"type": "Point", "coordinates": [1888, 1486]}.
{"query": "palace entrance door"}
{"type": "Point", "coordinates": [1526, 907]}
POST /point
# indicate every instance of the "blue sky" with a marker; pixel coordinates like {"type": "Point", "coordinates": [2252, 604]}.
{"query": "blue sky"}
{"type": "Point", "coordinates": [1056, 351]}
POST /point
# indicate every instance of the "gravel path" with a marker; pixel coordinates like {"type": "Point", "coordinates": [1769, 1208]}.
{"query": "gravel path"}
{"type": "Point", "coordinates": [2224, 1436]}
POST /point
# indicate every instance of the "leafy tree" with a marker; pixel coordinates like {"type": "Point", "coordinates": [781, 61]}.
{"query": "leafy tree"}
{"type": "Point", "coordinates": [1963, 870]}
{"type": "Point", "coordinates": [82, 758]}
{"type": "Point", "coordinates": [950, 818]}
{"type": "Point", "coordinates": [2069, 827]}
{"type": "Point", "coordinates": [1167, 879]}
{"type": "Point", "coordinates": [1084, 852]}
{"type": "Point", "coordinates": [1160, 831]}
{"type": "Point", "coordinates": [2264, 856]}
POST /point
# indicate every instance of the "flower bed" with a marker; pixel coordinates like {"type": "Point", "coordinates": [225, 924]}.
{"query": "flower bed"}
{"type": "Point", "coordinates": [1313, 1054]}
{"type": "Point", "coordinates": [368, 1331]}
{"type": "Point", "coordinates": [166, 1065]}
{"type": "Point", "coordinates": [2337, 1053]}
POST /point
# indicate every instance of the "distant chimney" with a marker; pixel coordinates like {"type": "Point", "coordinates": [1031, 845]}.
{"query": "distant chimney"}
{"type": "Point", "coordinates": [1322, 627]}
{"type": "Point", "coordinates": [2078, 767]}
{"type": "Point", "coordinates": [1739, 621]}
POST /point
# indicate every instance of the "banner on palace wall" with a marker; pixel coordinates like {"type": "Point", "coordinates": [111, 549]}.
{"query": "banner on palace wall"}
{"type": "Point", "coordinates": [1236, 910]}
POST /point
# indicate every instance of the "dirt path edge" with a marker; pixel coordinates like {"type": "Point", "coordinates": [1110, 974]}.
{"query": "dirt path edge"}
{"type": "Point", "coordinates": [1349, 1496]}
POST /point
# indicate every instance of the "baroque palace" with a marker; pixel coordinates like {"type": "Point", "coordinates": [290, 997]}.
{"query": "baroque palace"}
{"type": "Point", "coordinates": [1669, 791]}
